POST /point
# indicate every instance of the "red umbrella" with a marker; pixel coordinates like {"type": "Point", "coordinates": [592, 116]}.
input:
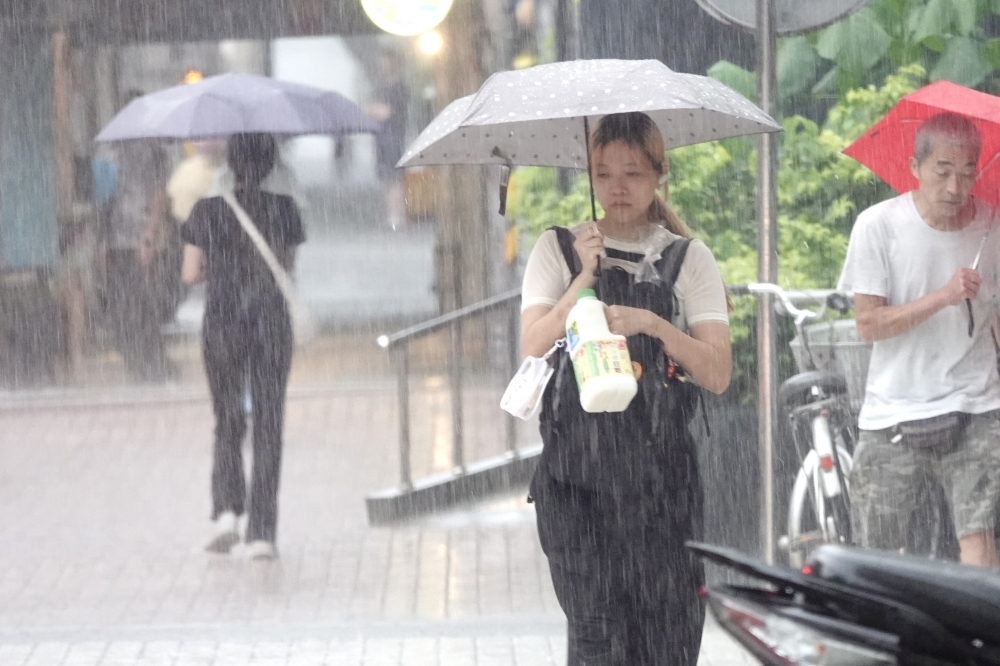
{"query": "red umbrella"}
{"type": "Point", "coordinates": [887, 147]}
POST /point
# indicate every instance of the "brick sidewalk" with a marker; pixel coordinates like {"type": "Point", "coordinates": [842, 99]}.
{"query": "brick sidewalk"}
{"type": "Point", "coordinates": [103, 510]}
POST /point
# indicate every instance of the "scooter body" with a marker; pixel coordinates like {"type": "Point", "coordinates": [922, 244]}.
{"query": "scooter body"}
{"type": "Point", "coordinates": [855, 607]}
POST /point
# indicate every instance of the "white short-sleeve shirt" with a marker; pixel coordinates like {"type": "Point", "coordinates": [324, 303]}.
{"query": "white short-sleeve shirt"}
{"type": "Point", "coordinates": [934, 368]}
{"type": "Point", "coordinates": [699, 288]}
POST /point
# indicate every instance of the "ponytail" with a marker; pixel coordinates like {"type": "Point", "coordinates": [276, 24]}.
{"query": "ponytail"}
{"type": "Point", "coordinates": [660, 213]}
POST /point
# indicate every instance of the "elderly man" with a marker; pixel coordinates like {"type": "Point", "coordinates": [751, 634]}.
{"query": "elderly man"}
{"type": "Point", "coordinates": [932, 404]}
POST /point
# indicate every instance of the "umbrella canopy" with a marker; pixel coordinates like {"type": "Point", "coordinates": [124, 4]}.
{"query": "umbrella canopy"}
{"type": "Point", "coordinates": [887, 147]}
{"type": "Point", "coordinates": [233, 103]}
{"type": "Point", "coordinates": [535, 116]}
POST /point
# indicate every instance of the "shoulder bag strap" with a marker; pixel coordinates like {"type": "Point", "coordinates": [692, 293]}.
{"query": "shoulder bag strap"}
{"type": "Point", "coordinates": [279, 272]}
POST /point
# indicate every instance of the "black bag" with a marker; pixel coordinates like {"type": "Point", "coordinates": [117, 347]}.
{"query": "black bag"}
{"type": "Point", "coordinates": [938, 435]}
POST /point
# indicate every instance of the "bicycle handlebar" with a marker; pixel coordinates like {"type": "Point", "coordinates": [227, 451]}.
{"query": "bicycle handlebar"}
{"type": "Point", "coordinates": [800, 315]}
{"type": "Point", "coordinates": [787, 301]}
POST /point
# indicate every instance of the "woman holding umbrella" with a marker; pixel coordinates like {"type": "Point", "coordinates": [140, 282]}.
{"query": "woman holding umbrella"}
{"type": "Point", "coordinates": [247, 339]}
{"type": "Point", "coordinates": [617, 495]}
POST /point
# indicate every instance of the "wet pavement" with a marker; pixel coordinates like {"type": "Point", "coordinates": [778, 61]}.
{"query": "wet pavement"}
{"type": "Point", "coordinates": [104, 505]}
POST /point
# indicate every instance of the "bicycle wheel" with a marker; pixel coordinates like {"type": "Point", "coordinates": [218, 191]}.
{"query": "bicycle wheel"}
{"type": "Point", "coordinates": [813, 518]}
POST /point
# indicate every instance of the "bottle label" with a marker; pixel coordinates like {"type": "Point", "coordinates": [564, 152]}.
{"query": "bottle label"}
{"type": "Point", "coordinates": [572, 336]}
{"type": "Point", "coordinates": [601, 358]}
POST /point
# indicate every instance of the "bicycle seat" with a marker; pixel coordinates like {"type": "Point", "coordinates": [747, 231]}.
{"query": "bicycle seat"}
{"type": "Point", "coordinates": [798, 390]}
{"type": "Point", "coordinates": [964, 599]}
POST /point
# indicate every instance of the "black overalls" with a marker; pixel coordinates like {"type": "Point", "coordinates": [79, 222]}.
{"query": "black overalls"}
{"type": "Point", "coordinates": [618, 494]}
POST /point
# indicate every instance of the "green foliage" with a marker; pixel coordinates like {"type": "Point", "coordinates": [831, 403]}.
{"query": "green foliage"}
{"type": "Point", "coordinates": [820, 192]}
{"type": "Point", "coordinates": [855, 45]}
{"type": "Point", "coordinates": [534, 201]}
{"type": "Point", "coordinates": [797, 67]}
{"type": "Point", "coordinates": [943, 36]}
{"type": "Point", "coordinates": [964, 61]}
{"type": "Point", "coordinates": [734, 76]}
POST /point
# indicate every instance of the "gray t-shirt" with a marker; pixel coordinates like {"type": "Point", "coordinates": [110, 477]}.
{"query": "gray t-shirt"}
{"type": "Point", "coordinates": [934, 368]}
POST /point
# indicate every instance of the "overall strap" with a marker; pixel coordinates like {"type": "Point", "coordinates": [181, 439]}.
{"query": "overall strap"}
{"type": "Point", "coordinates": [566, 240]}
{"type": "Point", "coordinates": [671, 260]}
{"type": "Point", "coordinates": [669, 266]}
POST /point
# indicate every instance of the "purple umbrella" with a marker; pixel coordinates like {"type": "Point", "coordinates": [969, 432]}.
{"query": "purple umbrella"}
{"type": "Point", "coordinates": [233, 103]}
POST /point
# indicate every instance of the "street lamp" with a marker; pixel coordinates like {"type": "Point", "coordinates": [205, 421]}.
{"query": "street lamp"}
{"type": "Point", "coordinates": [192, 76]}
{"type": "Point", "coordinates": [430, 43]}
{"type": "Point", "coordinates": [406, 17]}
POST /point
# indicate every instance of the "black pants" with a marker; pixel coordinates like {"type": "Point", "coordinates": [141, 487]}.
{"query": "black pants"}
{"type": "Point", "coordinates": [254, 348]}
{"type": "Point", "coordinates": [134, 316]}
{"type": "Point", "coordinates": [622, 575]}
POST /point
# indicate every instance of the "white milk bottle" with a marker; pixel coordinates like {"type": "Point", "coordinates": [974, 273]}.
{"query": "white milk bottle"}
{"type": "Point", "coordinates": [600, 359]}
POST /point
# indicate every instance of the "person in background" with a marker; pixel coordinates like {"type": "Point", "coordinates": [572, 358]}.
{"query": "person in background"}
{"type": "Point", "coordinates": [618, 494]}
{"type": "Point", "coordinates": [933, 369]}
{"type": "Point", "coordinates": [389, 106]}
{"type": "Point", "coordinates": [192, 179]}
{"type": "Point", "coordinates": [136, 237]}
{"type": "Point", "coordinates": [246, 339]}
{"type": "Point", "coordinates": [77, 285]}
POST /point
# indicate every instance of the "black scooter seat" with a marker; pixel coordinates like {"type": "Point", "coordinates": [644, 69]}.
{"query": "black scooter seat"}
{"type": "Point", "coordinates": [964, 599]}
{"type": "Point", "coordinates": [797, 390]}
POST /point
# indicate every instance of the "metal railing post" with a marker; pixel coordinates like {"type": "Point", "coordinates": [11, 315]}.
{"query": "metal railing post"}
{"type": "Point", "coordinates": [402, 362]}
{"type": "Point", "coordinates": [513, 358]}
{"type": "Point", "coordinates": [398, 345]}
{"type": "Point", "coordinates": [455, 382]}
{"type": "Point", "coordinates": [767, 269]}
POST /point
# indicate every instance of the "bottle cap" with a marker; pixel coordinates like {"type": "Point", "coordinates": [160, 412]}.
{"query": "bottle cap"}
{"type": "Point", "coordinates": [586, 293]}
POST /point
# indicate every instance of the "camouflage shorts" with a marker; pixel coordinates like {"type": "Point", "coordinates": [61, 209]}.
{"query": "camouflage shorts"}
{"type": "Point", "coordinates": [887, 478]}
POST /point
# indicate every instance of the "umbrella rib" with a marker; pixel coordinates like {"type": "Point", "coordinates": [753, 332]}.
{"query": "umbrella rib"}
{"type": "Point", "coordinates": [988, 164]}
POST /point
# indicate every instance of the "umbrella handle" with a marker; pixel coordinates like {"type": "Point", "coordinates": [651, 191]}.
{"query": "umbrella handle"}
{"type": "Point", "coordinates": [597, 280]}
{"type": "Point", "coordinates": [590, 173]}
{"type": "Point", "coordinates": [505, 170]}
{"type": "Point", "coordinates": [504, 181]}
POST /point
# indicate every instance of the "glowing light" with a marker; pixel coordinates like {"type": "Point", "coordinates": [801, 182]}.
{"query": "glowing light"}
{"type": "Point", "coordinates": [406, 17]}
{"type": "Point", "coordinates": [192, 76]}
{"type": "Point", "coordinates": [430, 43]}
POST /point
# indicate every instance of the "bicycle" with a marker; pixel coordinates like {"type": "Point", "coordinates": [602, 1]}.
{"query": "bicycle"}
{"type": "Point", "coordinates": [823, 432]}
{"type": "Point", "coordinates": [822, 417]}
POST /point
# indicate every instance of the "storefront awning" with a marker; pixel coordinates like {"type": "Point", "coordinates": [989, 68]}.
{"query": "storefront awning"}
{"type": "Point", "coordinates": [138, 21]}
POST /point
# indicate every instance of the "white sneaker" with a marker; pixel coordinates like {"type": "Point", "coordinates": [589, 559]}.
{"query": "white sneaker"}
{"type": "Point", "coordinates": [261, 550]}
{"type": "Point", "coordinates": [225, 534]}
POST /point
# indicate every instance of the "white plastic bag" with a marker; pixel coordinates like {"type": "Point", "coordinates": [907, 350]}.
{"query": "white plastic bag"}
{"type": "Point", "coordinates": [524, 393]}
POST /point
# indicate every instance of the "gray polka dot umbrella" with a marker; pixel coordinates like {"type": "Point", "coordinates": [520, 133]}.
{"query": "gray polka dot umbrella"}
{"type": "Point", "coordinates": [541, 116]}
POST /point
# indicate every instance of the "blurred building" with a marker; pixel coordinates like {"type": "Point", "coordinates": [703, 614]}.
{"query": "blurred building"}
{"type": "Point", "coordinates": [66, 66]}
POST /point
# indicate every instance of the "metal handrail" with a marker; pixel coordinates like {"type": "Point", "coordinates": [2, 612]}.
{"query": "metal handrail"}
{"type": "Point", "coordinates": [398, 344]}
{"type": "Point", "coordinates": [433, 325]}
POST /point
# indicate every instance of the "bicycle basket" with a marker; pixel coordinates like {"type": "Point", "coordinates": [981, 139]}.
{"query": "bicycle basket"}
{"type": "Point", "coordinates": [836, 347]}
